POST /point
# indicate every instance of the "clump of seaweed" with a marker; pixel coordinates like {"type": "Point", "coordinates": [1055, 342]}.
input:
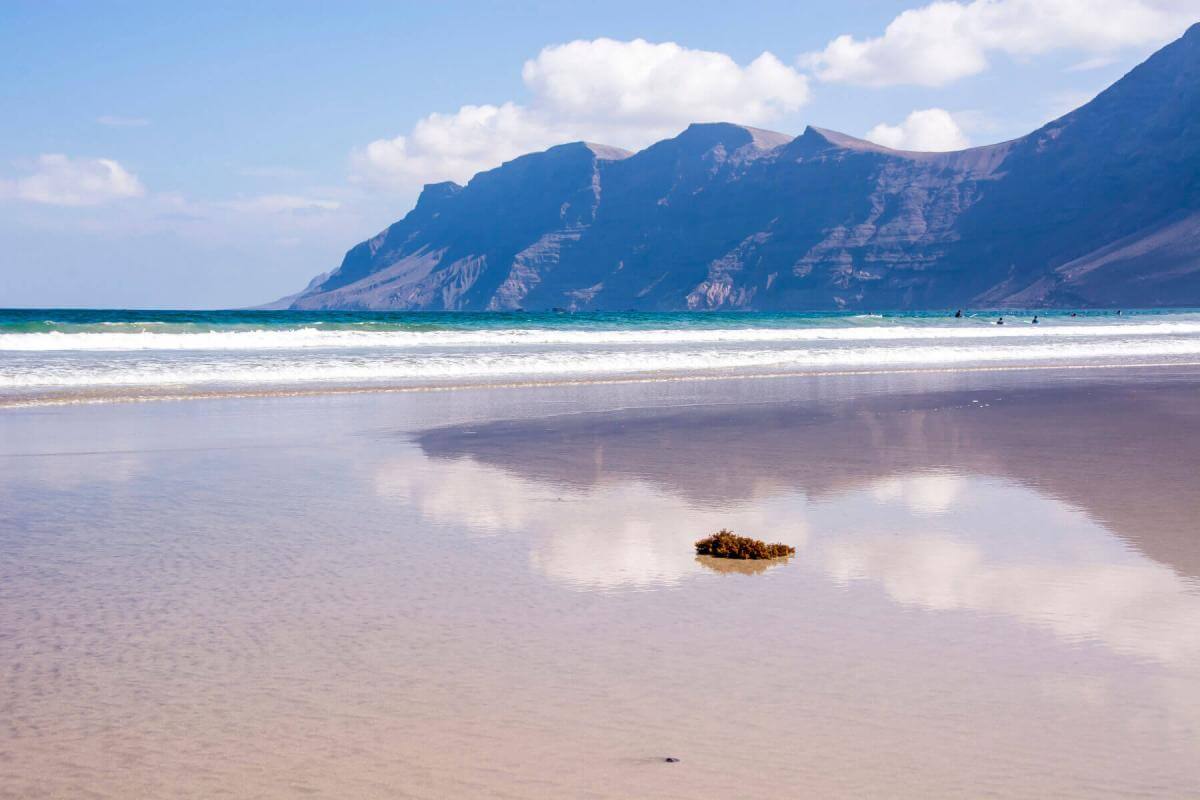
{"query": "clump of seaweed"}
{"type": "Point", "coordinates": [727, 544]}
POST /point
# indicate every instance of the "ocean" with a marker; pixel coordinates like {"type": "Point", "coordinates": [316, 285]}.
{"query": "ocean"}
{"type": "Point", "coordinates": [56, 356]}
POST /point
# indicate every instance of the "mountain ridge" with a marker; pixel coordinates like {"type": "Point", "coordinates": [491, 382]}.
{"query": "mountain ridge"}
{"type": "Point", "coordinates": [1100, 207]}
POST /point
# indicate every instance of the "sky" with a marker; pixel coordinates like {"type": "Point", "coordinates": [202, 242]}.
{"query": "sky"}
{"type": "Point", "coordinates": [221, 154]}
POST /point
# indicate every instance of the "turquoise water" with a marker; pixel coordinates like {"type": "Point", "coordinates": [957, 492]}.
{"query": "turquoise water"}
{"type": "Point", "coordinates": [104, 320]}
{"type": "Point", "coordinates": [50, 355]}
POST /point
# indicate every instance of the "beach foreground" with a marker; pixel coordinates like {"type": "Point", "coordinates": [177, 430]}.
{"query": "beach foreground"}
{"type": "Point", "coordinates": [493, 592]}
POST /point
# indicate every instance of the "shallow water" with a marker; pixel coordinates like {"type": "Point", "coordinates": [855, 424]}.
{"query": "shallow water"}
{"type": "Point", "coordinates": [69, 356]}
{"type": "Point", "coordinates": [996, 592]}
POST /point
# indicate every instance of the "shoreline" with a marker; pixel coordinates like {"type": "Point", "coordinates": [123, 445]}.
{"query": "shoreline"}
{"type": "Point", "coordinates": [69, 399]}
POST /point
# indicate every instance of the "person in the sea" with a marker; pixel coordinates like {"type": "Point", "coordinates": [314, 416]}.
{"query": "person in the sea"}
{"type": "Point", "coordinates": [1035, 319]}
{"type": "Point", "coordinates": [1000, 321]}
{"type": "Point", "coordinates": [958, 314]}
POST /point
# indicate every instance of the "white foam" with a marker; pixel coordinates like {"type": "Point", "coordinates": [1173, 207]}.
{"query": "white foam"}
{"type": "Point", "coordinates": [279, 369]}
{"type": "Point", "coordinates": [310, 338]}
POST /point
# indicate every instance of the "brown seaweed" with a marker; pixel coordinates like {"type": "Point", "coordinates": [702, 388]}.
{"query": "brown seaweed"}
{"type": "Point", "coordinates": [726, 544]}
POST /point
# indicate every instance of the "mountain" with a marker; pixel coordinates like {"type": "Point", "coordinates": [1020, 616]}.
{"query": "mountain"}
{"type": "Point", "coordinates": [1098, 208]}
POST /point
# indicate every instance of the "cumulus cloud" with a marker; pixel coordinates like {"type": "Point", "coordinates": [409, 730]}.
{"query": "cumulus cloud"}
{"type": "Point", "coordinates": [456, 146]}
{"type": "Point", "coordinates": [929, 129]}
{"type": "Point", "coordinates": [660, 85]}
{"type": "Point", "coordinates": [944, 41]}
{"type": "Point", "coordinates": [64, 181]}
{"type": "Point", "coordinates": [621, 93]}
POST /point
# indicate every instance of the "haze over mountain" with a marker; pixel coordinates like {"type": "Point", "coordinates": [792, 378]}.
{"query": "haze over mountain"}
{"type": "Point", "coordinates": [1100, 207]}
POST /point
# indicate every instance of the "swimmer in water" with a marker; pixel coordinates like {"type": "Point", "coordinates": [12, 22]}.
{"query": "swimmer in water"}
{"type": "Point", "coordinates": [1000, 321]}
{"type": "Point", "coordinates": [958, 314]}
{"type": "Point", "coordinates": [1035, 319]}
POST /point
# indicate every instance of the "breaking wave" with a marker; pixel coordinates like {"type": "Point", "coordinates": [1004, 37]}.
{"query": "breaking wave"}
{"type": "Point", "coordinates": [52, 357]}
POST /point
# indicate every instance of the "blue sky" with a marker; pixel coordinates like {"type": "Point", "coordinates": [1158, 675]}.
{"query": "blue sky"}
{"type": "Point", "coordinates": [213, 154]}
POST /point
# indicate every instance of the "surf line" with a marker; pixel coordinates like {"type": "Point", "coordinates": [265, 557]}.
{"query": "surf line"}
{"type": "Point", "coordinates": [69, 399]}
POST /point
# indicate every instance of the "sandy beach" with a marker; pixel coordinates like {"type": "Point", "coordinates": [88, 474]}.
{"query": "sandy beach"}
{"type": "Point", "coordinates": [623, 401]}
{"type": "Point", "coordinates": [493, 592]}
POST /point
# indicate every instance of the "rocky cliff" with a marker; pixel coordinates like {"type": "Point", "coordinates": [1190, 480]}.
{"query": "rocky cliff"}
{"type": "Point", "coordinates": [1100, 207]}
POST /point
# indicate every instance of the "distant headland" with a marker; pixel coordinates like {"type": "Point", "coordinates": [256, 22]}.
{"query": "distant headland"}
{"type": "Point", "coordinates": [1099, 208]}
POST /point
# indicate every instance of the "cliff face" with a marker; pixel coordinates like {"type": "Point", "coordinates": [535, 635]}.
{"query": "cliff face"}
{"type": "Point", "coordinates": [1100, 207]}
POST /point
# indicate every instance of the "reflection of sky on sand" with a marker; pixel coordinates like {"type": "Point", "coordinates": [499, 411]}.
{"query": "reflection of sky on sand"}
{"type": "Point", "coordinates": [1126, 456]}
{"type": "Point", "coordinates": [287, 597]}
{"type": "Point", "coordinates": [611, 534]}
{"type": "Point", "coordinates": [940, 542]}
{"type": "Point", "coordinates": [75, 472]}
{"type": "Point", "coordinates": [923, 494]}
{"type": "Point", "coordinates": [1012, 552]}
{"type": "Point", "coordinates": [959, 534]}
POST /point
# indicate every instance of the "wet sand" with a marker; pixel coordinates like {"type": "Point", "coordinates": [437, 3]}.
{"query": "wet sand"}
{"type": "Point", "coordinates": [996, 592]}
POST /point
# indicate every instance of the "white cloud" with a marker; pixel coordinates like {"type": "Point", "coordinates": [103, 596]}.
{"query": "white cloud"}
{"type": "Point", "coordinates": [621, 93]}
{"type": "Point", "coordinates": [944, 41]}
{"type": "Point", "coordinates": [922, 46]}
{"type": "Point", "coordinates": [113, 121]}
{"type": "Point", "coordinates": [64, 181]}
{"type": "Point", "coordinates": [660, 85]}
{"type": "Point", "coordinates": [455, 146]}
{"type": "Point", "coordinates": [929, 129]}
{"type": "Point", "coordinates": [1095, 62]}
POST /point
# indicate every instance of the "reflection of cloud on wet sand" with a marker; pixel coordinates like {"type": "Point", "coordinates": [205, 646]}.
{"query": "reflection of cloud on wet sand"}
{"type": "Point", "coordinates": [1126, 455]}
{"type": "Point", "coordinates": [34, 486]}
{"type": "Point", "coordinates": [923, 494]}
{"type": "Point", "coordinates": [73, 472]}
{"type": "Point", "coordinates": [1036, 508]}
{"type": "Point", "coordinates": [610, 534]}
{"type": "Point", "coordinates": [1135, 606]}
{"type": "Point", "coordinates": [618, 532]}
{"type": "Point", "coordinates": [485, 500]}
